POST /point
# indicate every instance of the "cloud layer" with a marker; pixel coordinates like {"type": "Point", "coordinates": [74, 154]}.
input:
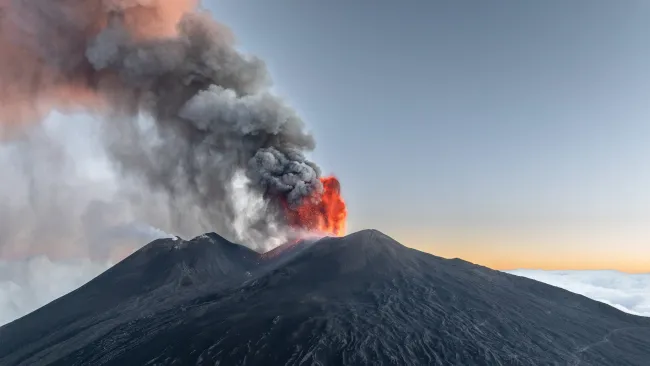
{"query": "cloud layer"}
{"type": "Point", "coordinates": [627, 292]}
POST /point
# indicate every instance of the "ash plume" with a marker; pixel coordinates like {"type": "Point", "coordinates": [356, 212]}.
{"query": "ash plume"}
{"type": "Point", "coordinates": [184, 112]}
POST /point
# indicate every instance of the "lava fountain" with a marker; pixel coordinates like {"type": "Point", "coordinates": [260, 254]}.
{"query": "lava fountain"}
{"type": "Point", "coordinates": [324, 212]}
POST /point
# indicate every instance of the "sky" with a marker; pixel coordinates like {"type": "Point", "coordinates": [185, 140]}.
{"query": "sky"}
{"type": "Point", "coordinates": [511, 134]}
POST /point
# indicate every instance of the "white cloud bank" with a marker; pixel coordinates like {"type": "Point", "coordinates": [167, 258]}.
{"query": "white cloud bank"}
{"type": "Point", "coordinates": [627, 292]}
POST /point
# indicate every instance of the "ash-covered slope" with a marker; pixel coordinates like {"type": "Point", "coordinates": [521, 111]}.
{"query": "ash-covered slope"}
{"type": "Point", "coordinates": [359, 300]}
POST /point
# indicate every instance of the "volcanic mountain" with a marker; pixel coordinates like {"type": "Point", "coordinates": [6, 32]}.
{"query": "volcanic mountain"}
{"type": "Point", "coordinates": [363, 299]}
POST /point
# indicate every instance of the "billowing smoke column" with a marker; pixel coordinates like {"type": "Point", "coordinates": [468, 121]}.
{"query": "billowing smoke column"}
{"type": "Point", "coordinates": [185, 112]}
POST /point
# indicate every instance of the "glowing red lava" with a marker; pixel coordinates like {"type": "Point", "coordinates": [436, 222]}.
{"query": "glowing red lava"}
{"type": "Point", "coordinates": [325, 213]}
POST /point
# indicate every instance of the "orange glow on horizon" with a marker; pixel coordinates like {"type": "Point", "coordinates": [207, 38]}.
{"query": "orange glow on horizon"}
{"type": "Point", "coordinates": [529, 249]}
{"type": "Point", "coordinates": [503, 261]}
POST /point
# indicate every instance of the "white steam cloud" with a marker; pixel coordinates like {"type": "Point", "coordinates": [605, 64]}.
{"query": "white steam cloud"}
{"type": "Point", "coordinates": [29, 284]}
{"type": "Point", "coordinates": [61, 198]}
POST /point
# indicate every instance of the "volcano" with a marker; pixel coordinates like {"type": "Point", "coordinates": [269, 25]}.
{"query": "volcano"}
{"type": "Point", "coordinates": [362, 299]}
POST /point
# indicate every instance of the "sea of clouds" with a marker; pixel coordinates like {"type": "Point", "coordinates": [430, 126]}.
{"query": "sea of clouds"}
{"type": "Point", "coordinates": [29, 284]}
{"type": "Point", "coordinates": [627, 292]}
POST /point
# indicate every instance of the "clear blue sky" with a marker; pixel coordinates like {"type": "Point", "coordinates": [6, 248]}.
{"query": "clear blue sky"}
{"type": "Point", "coordinates": [473, 128]}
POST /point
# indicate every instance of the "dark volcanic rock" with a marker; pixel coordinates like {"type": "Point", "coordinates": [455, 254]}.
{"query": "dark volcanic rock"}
{"type": "Point", "coordinates": [359, 300]}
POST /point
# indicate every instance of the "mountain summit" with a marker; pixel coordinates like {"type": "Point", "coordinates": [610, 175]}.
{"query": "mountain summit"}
{"type": "Point", "coordinates": [363, 299]}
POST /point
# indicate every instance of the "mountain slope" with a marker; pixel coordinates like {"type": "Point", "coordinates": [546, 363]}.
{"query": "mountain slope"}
{"type": "Point", "coordinates": [363, 299]}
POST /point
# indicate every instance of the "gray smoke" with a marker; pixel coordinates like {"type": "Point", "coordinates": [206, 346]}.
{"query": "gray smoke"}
{"type": "Point", "coordinates": [184, 111]}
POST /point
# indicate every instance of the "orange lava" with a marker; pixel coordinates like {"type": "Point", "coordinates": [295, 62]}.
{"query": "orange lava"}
{"type": "Point", "coordinates": [325, 213]}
